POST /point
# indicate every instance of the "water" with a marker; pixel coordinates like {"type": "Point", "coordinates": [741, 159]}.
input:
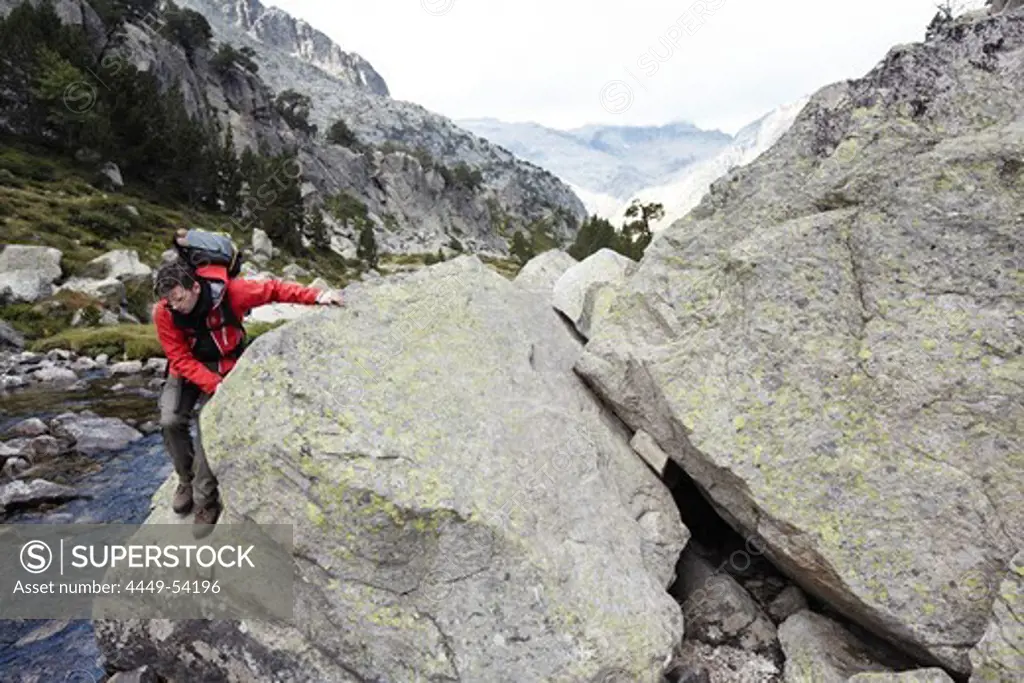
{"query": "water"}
{"type": "Point", "coordinates": [119, 487]}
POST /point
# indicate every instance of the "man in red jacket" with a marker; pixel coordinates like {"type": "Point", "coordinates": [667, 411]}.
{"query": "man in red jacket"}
{"type": "Point", "coordinates": [199, 323]}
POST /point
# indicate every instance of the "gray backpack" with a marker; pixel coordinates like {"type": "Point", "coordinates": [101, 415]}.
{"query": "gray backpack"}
{"type": "Point", "coordinates": [203, 248]}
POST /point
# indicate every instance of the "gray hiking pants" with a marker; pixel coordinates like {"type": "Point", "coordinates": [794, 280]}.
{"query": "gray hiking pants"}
{"type": "Point", "coordinates": [179, 400]}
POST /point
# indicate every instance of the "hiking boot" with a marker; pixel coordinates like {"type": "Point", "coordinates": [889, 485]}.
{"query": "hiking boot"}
{"type": "Point", "coordinates": [182, 499]}
{"type": "Point", "coordinates": [206, 518]}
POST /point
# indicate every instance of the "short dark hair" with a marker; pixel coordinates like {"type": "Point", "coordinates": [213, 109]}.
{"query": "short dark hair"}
{"type": "Point", "coordinates": [172, 274]}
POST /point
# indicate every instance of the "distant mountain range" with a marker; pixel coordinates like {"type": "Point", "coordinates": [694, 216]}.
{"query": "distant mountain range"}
{"type": "Point", "coordinates": [615, 161]}
{"type": "Point", "coordinates": [610, 166]}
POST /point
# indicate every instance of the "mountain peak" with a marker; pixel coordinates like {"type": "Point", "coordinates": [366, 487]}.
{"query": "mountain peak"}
{"type": "Point", "coordinates": [276, 28]}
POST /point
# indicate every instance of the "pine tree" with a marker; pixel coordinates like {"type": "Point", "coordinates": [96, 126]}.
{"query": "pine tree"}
{"type": "Point", "coordinates": [366, 250]}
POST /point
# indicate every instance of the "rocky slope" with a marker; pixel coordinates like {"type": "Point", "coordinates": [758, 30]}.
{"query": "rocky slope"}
{"type": "Point", "coordinates": [521, 190]}
{"type": "Point", "coordinates": [277, 29]}
{"type": "Point", "coordinates": [412, 207]}
{"type": "Point", "coordinates": [830, 345]}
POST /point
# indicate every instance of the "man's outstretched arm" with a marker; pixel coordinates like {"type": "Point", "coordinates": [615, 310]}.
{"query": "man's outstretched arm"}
{"type": "Point", "coordinates": [249, 294]}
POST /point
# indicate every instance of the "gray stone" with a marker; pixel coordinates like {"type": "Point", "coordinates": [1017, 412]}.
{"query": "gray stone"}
{"type": "Point", "coordinates": [12, 382]}
{"type": "Point", "coordinates": [10, 338]}
{"type": "Point", "coordinates": [32, 493]}
{"type": "Point", "coordinates": [122, 264]}
{"type": "Point", "coordinates": [999, 655]}
{"type": "Point", "coordinates": [30, 427]}
{"type": "Point", "coordinates": [128, 367]}
{"type": "Point", "coordinates": [109, 292]}
{"type": "Point", "coordinates": [584, 292]}
{"type": "Point", "coordinates": [823, 340]}
{"type": "Point", "coordinates": [790, 601]}
{"type": "Point", "coordinates": [90, 434]}
{"type": "Point", "coordinates": [485, 510]}
{"type": "Point", "coordinates": [60, 355]}
{"type": "Point", "coordinates": [54, 374]}
{"type": "Point", "coordinates": [294, 271]}
{"type": "Point", "coordinates": [156, 365]}
{"type": "Point", "coordinates": [14, 467]}
{"type": "Point", "coordinates": [109, 319]}
{"type": "Point", "coordinates": [84, 364]}
{"type": "Point", "coordinates": [819, 649]}
{"type": "Point", "coordinates": [262, 247]}
{"type": "Point", "coordinates": [644, 446]}
{"type": "Point", "coordinates": [110, 177]}
{"type": "Point", "coordinates": [718, 611]}
{"type": "Point", "coordinates": [542, 271]}
{"type": "Point", "coordinates": [320, 284]}
{"type": "Point", "coordinates": [102, 359]}
{"type": "Point", "coordinates": [27, 273]}
{"type": "Point", "coordinates": [728, 664]}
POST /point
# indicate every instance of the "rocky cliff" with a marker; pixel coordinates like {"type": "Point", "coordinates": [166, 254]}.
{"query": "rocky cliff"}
{"type": "Point", "coordinates": [277, 29]}
{"type": "Point", "coordinates": [830, 344]}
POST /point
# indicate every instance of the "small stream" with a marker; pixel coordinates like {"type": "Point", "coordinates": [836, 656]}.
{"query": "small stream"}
{"type": "Point", "coordinates": [118, 485]}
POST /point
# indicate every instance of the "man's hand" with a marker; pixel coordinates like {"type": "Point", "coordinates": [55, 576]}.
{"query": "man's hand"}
{"type": "Point", "coordinates": [329, 298]}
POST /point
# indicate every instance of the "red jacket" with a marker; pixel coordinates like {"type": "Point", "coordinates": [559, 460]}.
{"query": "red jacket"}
{"type": "Point", "coordinates": [243, 296]}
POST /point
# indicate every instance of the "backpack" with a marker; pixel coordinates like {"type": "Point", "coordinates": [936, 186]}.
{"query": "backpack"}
{"type": "Point", "coordinates": [200, 248]}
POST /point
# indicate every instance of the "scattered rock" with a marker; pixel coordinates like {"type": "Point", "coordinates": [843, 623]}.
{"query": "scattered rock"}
{"type": "Point", "coordinates": [10, 338]}
{"type": "Point", "coordinates": [262, 247]}
{"type": "Point", "coordinates": [156, 365]}
{"type": "Point", "coordinates": [122, 264]}
{"type": "Point", "coordinates": [90, 434]}
{"type": "Point", "coordinates": [54, 374]}
{"type": "Point", "coordinates": [819, 649]}
{"type": "Point", "coordinates": [15, 467]}
{"type": "Point", "coordinates": [294, 271]}
{"type": "Point", "coordinates": [790, 601]}
{"type": "Point", "coordinates": [727, 664]}
{"type": "Point", "coordinates": [59, 355]}
{"type": "Point", "coordinates": [84, 364]}
{"type": "Point", "coordinates": [30, 427]}
{"type": "Point", "coordinates": [130, 367]}
{"type": "Point", "coordinates": [132, 211]}
{"type": "Point", "coordinates": [12, 382]}
{"type": "Point", "coordinates": [149, 427]}
{"type": "Point", "coordinates": [542, 272]}
{"type": "Point", "coordinates": [718, 611]}
{"type": "Point", "coordinates": [27, 273]}
{"type": "Point", "coordinates": [584, 292]}
{"type": "Point", "coordinates": [109, 178]}
{"type": "Point", "coordinates": [18, 494]}
{"type": "Point", "coordinates": [110, 292]}
{"type": "Point", "coordinates": [102, 359]}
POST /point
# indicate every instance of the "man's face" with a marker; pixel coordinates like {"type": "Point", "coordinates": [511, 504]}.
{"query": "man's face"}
{"type": "Point", "coordinates": [183, 300]}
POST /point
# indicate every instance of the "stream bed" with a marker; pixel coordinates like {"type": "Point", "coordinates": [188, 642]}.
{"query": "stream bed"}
{"type": "Point", "coordinates": [117, 487]}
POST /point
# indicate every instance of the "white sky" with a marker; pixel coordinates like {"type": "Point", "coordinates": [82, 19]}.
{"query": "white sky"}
{"type": "Point", "coordinates": [549, 61]}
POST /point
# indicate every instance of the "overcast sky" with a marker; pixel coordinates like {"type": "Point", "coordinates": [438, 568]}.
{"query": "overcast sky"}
{"type": "Point", "coordinates": [565, 63]}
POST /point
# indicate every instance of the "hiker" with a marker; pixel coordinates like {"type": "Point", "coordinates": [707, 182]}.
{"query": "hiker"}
{"type": "Point", "coordinates": [198, 320]}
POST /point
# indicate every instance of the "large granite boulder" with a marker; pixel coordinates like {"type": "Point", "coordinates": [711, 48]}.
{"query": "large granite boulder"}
{"type": "Point", "coordinates": [464, 508]}
{"type": "Point", "coordinates": [830, 344]}
{"type": "Point", "coordinates": [121, 264]}
{"type": "Point", "coordinates": [542, 271]}
{"type": "Point", "coordinates": [585, 291]}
